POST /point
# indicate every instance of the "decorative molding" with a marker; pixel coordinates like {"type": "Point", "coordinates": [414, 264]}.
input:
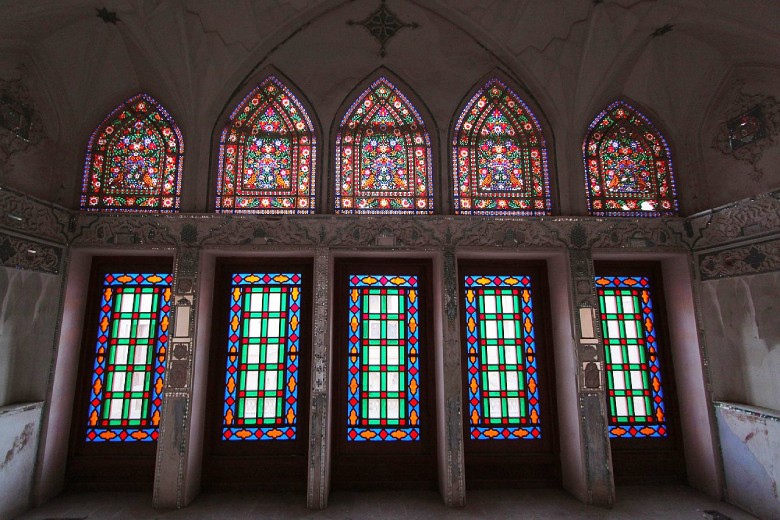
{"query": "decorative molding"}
{"type": "Point", "coordinates": [29, 255]}
{"type": "Point", "coordinates": [28, 216]}
{"type": "Point", "coordinates": [751, 153]}
{"type": "Point", "coordinates": [747, 259]}
{"type": "Point", "coordinates": [750, 218]}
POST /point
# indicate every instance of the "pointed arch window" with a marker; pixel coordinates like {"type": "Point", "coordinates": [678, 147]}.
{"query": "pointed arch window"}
{"type": "Point", "coordinates": [267, 154]}
{"type": "Point", "coordinates": [134, 160]}
{"type": "Point", "coordinates": [499, 156]}
{"type": "Point", "coordinates": [628, 165]}
{"type": "Point", "coordinates": [383, 155]}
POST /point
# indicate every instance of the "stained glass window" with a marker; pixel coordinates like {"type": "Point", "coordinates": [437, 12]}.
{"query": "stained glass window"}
{"type": "Point", "coordinates": [502, 375]}
{"type": "Point", "coordinates": [134, 160]}
{"type": "Point", "coordinates": [128, 375]}
{"type": "Point", "coordinates": [628, 165]}
{"type": "Point", "coordinates": [261, 378]}
{"type": "Point", "coordinates": [499, 156]}
{"type": "Point", "coordinates": [383, 364]}
{"type": "Point", "coordinates": [383, 155]}
{"type": "Point", "coordinates": [267, 154]}
{"type": "Point", "coordinates": [628, 323]}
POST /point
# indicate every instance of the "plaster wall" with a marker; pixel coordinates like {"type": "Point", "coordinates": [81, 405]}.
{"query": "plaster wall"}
{"type": "Point", "coordinates": [19, 426]}
{"type": "Point", "coordinates": [739, 316]}
{"type": "Point", "coordinates": [748, 438]}
{"type": "Point", "coordinates": [29, 304]}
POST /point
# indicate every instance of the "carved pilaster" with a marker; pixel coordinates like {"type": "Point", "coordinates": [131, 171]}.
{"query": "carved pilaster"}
{"type": "Point", "coordinates": [454, 490]}
{"type": "Point", "coordinates": [173, 445]}
{"type": "Point", "coordinates": [591, 381]}
{"type": "Point", "coordinates": [319, 433]}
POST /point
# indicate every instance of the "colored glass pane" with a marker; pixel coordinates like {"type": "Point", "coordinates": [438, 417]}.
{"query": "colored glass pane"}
{"type": "Point", "coordinates": [261, 377]}
{"type": "Point", "coordinates": [499, 156]}
{"type": "Point", "coordinates": [129, 370]}
{"type": "Point", "coordinates": [628, 165]}
{"type": "Point", "coordinates": [267, 154]}
{"type": "Point", "coordinates": [134, 160]}
{"type": "Point", "coordinates": [383, 387]}
{"type": "Point", "coordinates": [501, 372]}
{"type": "Point", "coordinates": [383, 155]}
{"type": "Point", "coordinates": [635, 394]}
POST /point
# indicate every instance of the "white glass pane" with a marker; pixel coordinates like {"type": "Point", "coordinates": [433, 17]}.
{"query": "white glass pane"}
{"type": "Point", "coordinates": [507, 303]}
{"type": "Point", "coordinates": [374, 382]}
{"type": "Point", "coordinates": [127, 302]}
{"type": "Point", "coordinates": [493, 381]}
{"type": "Point", "coordinates": [272, 354]}
{"type": "Point", "coordinates": [491, 329]}
{"type": "Point", "coordinates": [269, 407]}
{"type": "Point", "coordinates": [509, 329]}
{"type": "Point", "coordinates": [492, 354]}
{"type": "Point", "coordinates": [636, 380]}
{"type": "Point", "coordinates": [274, 302]}
{"type": "Point", "coordinates": [621, 406]}
{"type": "Point", "coordinates": [628, 304]}
{"type": "Point", "coordinates": [613, 330]}
{"type": "Point", "coordinates": [256, 302]}
{"type": "Point", "coordinates": [640, 406]}
{"type": "Point", "coordinates": [489, 303]}
{"type": "Point", "coordinates": [121, 355]}
{"type": "Point", "coordinates": [633, 353]}
{"type": "Point", "coordinates": [392, 330]}
{"type": "Point", "coordinates": [392, 304]}
{"type": "Point", "coordinates": [610, 305]}
{"type": "Point", "coordinates": [512, 381]}
{"type": "Point", "coordinates": [274, 326]}
{"type": "Point", "coordinates": [116, 409]}
{"type": "Point", "coordinates": [616, 354]}
{"type": "Point", "coordinates": [139, 381]}
{"type": "Point", "coordinates": [141, 351]}
{"type": "Point", "coordinates": [373, 408]}
{"type": "Point", "coordinates": [271, 380]}
{"type": "Point", "coordinates": [513, 407]}
{"type": "Point", "coordinates": [123, 330]}
{"type": "Point", "coordinates": [253, 354]}
{"type": "Point", "coordinates": [135, 408]}
{"type": "Point", "coordinates": [374, 354]}
{"type": "Point", "coordinates": [254, 328]}
{"type": "Point", "coordinates": [494, 405]}
{"type": "Point", "coordinates": [630, 329]}
{"type": "Point", "coordinates": [374, 303]}
{"type": "Point", "coordinates": [392, 382]}
{"type": "Point", "coordinates": [618, 379]}
{"type": "Point", "coordinates": [393, 408]}
{"type": "Point", "coordinates": [145, 305]}
{"type": "Point", "coordinates": [251, 380]}
{"type": "Point", "coordinates": [374, 329]}
{"type": "Point", "coordinates": [118, 382]}
{"type": "Point", "coordinates": [250, 408]}
{"type": "Point", "coordinates": [392, 355]}
{"type": "Point", "coordinates": [142, 329]}
{"type": "Point", "coordinates": [510, 355]}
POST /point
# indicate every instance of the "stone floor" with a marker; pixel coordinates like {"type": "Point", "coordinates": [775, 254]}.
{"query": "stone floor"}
{"type": "Point", "coordinates": [657, 502]}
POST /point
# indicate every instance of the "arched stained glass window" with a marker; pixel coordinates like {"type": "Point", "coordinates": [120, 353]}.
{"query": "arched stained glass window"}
{"type": "Point", "coordinates": [628, 165]}
{"type": "Point", "coordinates": [383, 155]}
{"type": "Point", "coordinates": [267, 154]}
{"type": "Point", "coordinates": [499, 156]}
{"type": "Point", "coordinates": [134, 160]}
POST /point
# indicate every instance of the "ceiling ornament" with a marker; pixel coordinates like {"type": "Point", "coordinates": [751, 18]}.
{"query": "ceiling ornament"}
{"type": "Point", "coordinates": [383, 24]}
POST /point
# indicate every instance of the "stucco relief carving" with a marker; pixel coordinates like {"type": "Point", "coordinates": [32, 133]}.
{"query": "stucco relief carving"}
{"type": "Point", "coordinates": [751, 217]}
{"type": "Point", "coordinates": [10, 143]}
{"type": "Point", "coordinates": [29, 216]}
{"type": "Point", "coordinates": [29, 255]}
{"type": "Point", "coordinates": [754, 258]}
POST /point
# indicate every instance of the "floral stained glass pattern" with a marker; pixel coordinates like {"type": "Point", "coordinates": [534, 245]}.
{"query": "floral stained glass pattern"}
{"type": "Point", "coordinates": [499, 156]}
{"type": "Point", "coordinates": [134, 160]}
{"type": "Point", "coordinates": [501, 372]}
{"type": "Point", "coordinates": [129, 370]}
{"type": "Point", "coordinates": [267, 154]}
{"type": "Point", "coordinates": [628, 165]}
{"type": "Point", "coordinates": [635, 394]}
{"type": "Point", "coordinates": [383, 368]}
{"type": "Point", "coordinates": [383, 155]}
{"type": "Point", "coordinates": [261, 378]}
